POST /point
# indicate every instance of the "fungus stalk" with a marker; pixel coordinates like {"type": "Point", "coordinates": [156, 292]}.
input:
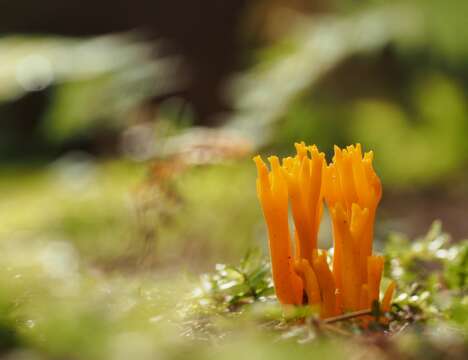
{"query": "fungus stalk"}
{"type": "Point", "coordinates": [352, 191]}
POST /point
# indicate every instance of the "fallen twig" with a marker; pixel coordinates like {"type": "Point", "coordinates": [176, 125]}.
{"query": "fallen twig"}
{"type": "Point", "coordinates": [348, 316]}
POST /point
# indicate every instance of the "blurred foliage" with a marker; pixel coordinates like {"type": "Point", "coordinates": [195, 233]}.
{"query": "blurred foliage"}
{"type": "Point", "coordinates": [446, 30]}
{"type": "Point", "coordinates": [313, 48]}
{"type": "Point", "coordinates": [418, 143]}
{"type": "Point", "coordinates": [95, 82]}
{"type": "Point", "coordinates": [102, 82]}
{"type": "Point", "coordinates": [437, 120]}
{"type": "Point", "coordinates": [407, 100]}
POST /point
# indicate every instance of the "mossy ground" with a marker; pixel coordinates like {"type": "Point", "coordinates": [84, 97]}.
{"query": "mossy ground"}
{"type": "Point", "coordinates": [97, 263]}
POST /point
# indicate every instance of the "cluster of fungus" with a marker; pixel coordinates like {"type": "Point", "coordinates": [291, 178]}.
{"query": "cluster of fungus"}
{"type": "Point", "coordinates": [352, 190]}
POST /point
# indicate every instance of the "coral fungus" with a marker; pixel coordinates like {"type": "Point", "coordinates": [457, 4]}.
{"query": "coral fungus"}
{"type": "Point", "coordinates": [352, 191]}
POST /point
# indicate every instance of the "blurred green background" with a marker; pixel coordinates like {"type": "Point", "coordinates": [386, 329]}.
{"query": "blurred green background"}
{"type": "Point", "coordinates": [127, 129]}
